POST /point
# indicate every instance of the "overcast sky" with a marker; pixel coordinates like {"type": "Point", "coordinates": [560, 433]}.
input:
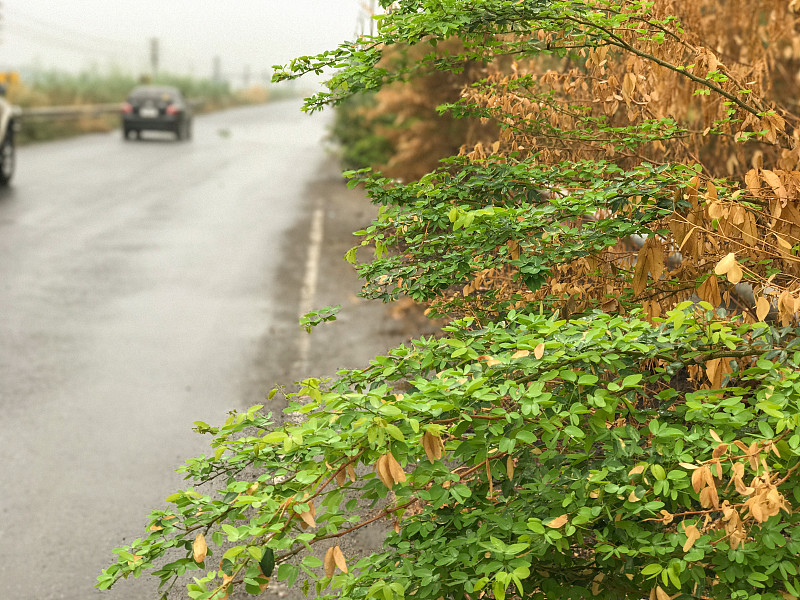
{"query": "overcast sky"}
{"type": "Point", "coordinates": [245, 34]}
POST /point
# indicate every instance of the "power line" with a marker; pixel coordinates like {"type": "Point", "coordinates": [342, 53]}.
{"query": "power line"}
{"type": "Point", "coordinates": [50, 28]}
{"type": "Point", "coordinates": [53, 40]}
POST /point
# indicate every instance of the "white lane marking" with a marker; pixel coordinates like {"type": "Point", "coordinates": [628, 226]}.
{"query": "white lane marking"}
{"type": "Point", "coordinates": [309, 289]}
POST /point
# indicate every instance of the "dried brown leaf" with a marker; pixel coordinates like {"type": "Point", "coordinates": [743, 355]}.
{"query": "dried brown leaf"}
{"type": "Point", "coordinates": [738, 214]}
{"type": "Point", "coordinates": [709, 291]}
{"type": "Point", "coordinates": [308, 516]}
{"type": "Point", "coordinates": [762, 308]}
{"type": "Point", "coordinates": [784, 247]}
{"type": "Point", "coordinates": [735, 274]}
{"type": "Point", "coordinates": [636, 470]}
{"type": "Point", "coordinates": [558, 521]}
{"type": "Point", "coordinates": [698, 479]}
{"type": "Point", "coordinates": [199, 548]}
{"type": "Point", "coordinates": [329, 562]}
{"type": "Point", "coordinates": [714, 372]}
{"type": "Point", "coordinates": [717, 210]}
{"type": "Point", "coordinates": [433, 446]}
{"type": "Point", "coordinates": [641, 270]}
{"type": "Point", "coordinates": [382, 469]}
{"type": "Point", "coordinates": [341, 477]}
{"type": "Point", "coordinates": [692, 535]}
{"type": "Point", "coordinates": [709, 497]}
{"type": "Point", "coordinates": [538, 352]}
{"type": "Point", "coordinates": [490, 360]}
{"type": "Point", "coordinates": [686, 238]}
{"type": "Point", "coordinates": [753, 182]}
{"type": "Point", "coordinates": [661, 594]}
{"type": "Point", "coordinates": [395, 470]}
{"type": "Point", "coordinates": [720, 450]}
{"type": "Point", "coordinates": [774, 181]}
{"type": "Point", "coordinates": [752, 455]}
{"type": "Point", "coordinates": [711, 192]}
{"type": "Point", "coordinates": [724, 265]}
{"type": "Point", "coordinates": [729, 267]}
{"type": "Point", "coordinates": [339, 560]}
{"type": "Point", "coordinates": [774, 448]}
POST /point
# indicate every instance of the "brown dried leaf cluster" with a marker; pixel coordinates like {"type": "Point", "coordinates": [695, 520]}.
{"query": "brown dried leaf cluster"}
{"type": "Point", "coordinates": [334, 559]}
{"type": "Point", "coordinates": [433, 445]}
{"type": "Point", "coordinates": [344, 472]}
{"type": "Point", "coordinates": [740, 233]}
{"type": "Point", "coordinates": [389, 470]}
{"type": "Point", "coordinates": [725, 243]}
{"type": "Point", "coordinates": [763, 500]}
{"type": "Point", "coordinates": [419, 136]}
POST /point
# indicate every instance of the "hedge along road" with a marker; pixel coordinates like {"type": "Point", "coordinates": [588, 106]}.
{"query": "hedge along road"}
{"type": "Point", "coordinates": [143, 286]}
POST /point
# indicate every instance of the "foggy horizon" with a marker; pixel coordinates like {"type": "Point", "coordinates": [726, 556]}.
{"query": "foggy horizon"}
{"type": "Point", "coordinates": [244, 40]}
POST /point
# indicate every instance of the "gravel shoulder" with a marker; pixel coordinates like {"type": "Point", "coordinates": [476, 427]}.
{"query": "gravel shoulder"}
{"type": "Point", "coordinates": [363, 328]}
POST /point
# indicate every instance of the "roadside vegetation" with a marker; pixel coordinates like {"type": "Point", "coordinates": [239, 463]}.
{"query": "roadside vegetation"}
{"type": "Point", "coordinates": [57, 88]}
{"type": "Point", "coordinates": [613, 410]}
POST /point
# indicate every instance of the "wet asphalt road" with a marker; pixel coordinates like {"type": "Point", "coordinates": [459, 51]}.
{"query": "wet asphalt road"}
{"type": "Point", "coordinates": [136, 289]}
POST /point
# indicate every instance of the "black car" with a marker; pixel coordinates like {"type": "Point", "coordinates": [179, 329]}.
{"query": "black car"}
{"type": "Point", "coordinates": [9, 117]}
{"type": "Point", "coordinates": [156, 108]}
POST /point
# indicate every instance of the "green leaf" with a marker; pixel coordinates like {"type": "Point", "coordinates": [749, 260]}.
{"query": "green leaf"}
{"type": "Point", "coordinates": [288, 573]}
{"type": "Point", "coordinates": [652, 570]}
{"type": "Point", "coordinates": [267, 562]}
{"type": "Point", "coordinates": [632, 380]}
{"type": "Point", "coordinates": [389, 410]}
{"type": "Point", "coordinates": [232, 553]}
{"type": "Point", "coordinates": [233, 532]}
{"type": "Point", "coordinates": [525, 436]}
{"type": "Point", "coordinates": [658, 472]}
{"type": "Point", "coordinates": [312, 562]}
{"type": "Point", "coordinates": [274, 437]}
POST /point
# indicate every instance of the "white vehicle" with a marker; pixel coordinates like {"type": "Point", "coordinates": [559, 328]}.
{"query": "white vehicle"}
{"type": "Point", "coordinates": [9, 117]}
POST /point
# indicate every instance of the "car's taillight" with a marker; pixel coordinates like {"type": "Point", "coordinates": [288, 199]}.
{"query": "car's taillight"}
{"type": "Point", "coordinates": [127, 108]}
{"type": "Point", "coordinates": [173, 110]}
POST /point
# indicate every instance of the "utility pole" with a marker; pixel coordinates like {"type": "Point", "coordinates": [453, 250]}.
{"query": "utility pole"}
{"type": "Point", "coordinates": [368, 11]}
{"type": "Point", "coordinates": [216, 69]}
{"type": "Point", "coordinates": [154, 52]}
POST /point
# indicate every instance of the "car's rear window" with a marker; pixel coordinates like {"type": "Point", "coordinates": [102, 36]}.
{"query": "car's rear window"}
{"type": "Point", "coordinates": [154, 94]}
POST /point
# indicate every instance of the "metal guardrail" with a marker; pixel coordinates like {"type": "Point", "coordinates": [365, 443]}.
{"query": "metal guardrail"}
{"type": "Point", "coordinates": [81, 110]}
{"type": "Point", "coordinates": [70, 112]}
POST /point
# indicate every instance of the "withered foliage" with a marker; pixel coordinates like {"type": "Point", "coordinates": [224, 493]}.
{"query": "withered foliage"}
{"type": "Point", "coordinates": [404, 113]}
{"type": "Point", "coordinates": [712, 84]}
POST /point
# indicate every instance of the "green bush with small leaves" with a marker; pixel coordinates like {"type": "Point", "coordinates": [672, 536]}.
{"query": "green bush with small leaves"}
{"type": "Point", "coordinates": [534, 457]}
{"type": "Point", "coordinates": [538, 448]}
